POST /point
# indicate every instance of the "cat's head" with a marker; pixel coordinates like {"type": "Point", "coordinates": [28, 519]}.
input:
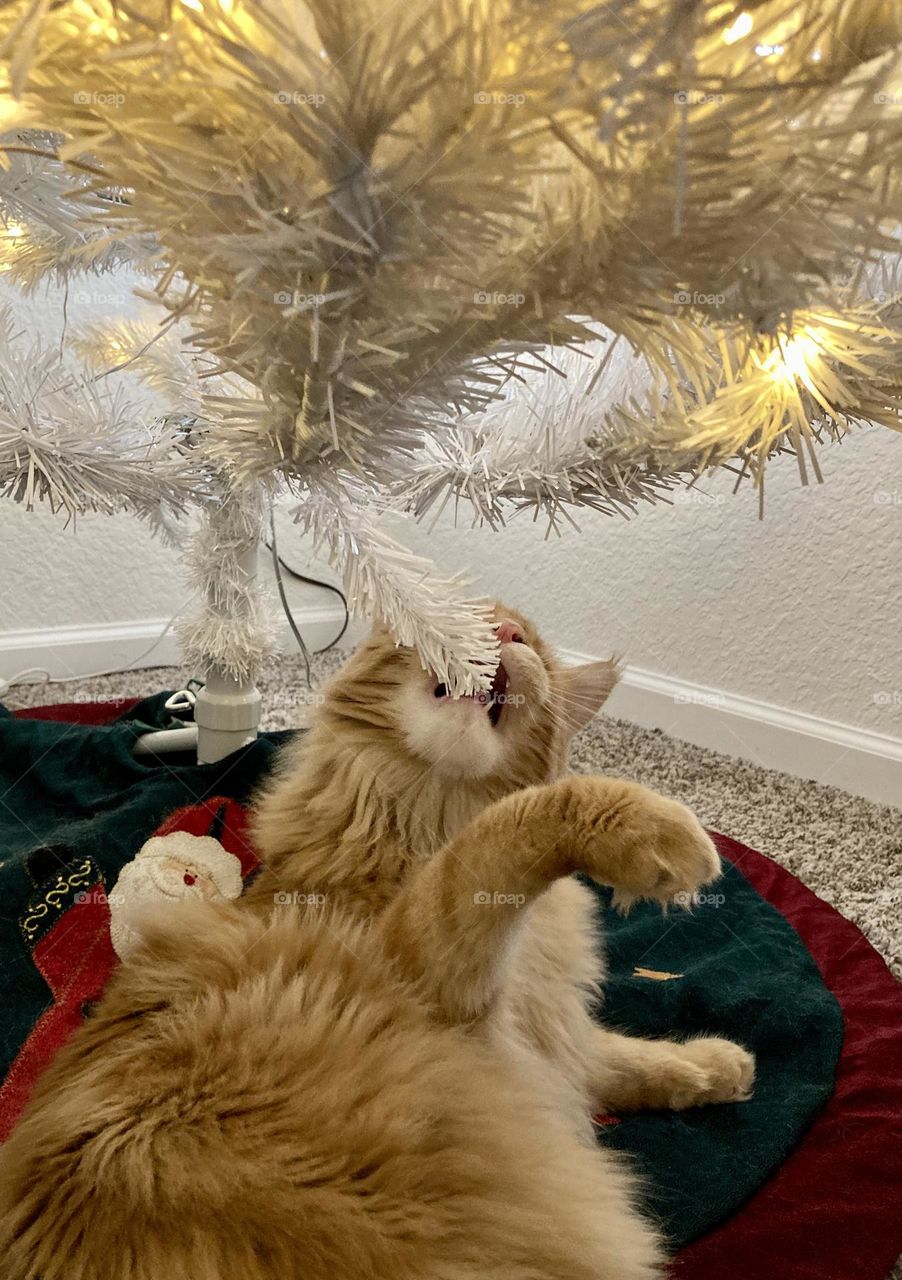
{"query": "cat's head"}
{"type": "Point", "coordinates": [518, 730]}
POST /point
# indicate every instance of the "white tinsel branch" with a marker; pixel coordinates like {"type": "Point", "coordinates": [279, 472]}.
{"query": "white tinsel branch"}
{"type": "Point", "coordinates": [80, 445]}
{"type": "Point", "coordinates": [470, 468]}
{"type": "Point", "coordinates": [231, 631]}
{"type": "Point", "coordinates": [451, 632]}
{"type": "Point", "coordinates": [540, 447]}
{"type": "Point", "coordinates": [54, 219]}
{"type": "Point", "coordinates": [571, 438]}
{"type": "Point", "coordinates": [161, 357]}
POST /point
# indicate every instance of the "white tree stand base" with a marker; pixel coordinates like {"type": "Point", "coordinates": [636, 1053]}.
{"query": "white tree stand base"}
{"type": "Point", "coordinates": [226, 711]}
{"type": "Point", "coordinates": [227, 715]}
{"type": "Point", "coordinates": [165, 741]}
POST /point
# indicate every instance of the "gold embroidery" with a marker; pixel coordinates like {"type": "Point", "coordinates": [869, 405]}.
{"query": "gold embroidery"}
{"type": "Point", "coordinates": [83, 873]}
{"type": "Point", "coordinates": [30, 923]}
{"type": "Point", "coordinates": [55, 896]}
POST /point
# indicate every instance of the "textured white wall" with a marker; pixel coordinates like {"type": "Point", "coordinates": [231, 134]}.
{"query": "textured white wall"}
{"type": "Point", "coordinates": [802, 610]}
{"type": "Point", "coordinates": [108, 569]}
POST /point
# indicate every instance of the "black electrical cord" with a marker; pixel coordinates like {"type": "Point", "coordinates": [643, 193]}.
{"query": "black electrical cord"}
{"type": "Point", "coordinates": [316, 582]}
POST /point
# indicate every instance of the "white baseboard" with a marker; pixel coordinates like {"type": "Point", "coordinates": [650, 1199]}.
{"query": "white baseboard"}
{"type": "Point", "coordinates": [860, 761]}
{"type": "Point", "coordinates": [75, 652]}
{"type": "Point", "coordinates": [857, 760]}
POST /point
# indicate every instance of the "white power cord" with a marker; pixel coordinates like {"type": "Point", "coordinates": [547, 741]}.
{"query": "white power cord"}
{"type": "Point", "coordinates": [6, 684]}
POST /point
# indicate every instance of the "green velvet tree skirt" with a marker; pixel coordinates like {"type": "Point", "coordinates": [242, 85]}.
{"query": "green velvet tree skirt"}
{"type": "Point", "coordinates": [803, 1180]}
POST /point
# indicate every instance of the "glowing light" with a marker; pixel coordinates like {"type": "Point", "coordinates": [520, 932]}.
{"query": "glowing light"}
{"type": "Point", "coordinates": [14, 230]}
{"type": "Point", "coordinates": [12, 113]}
{"type": "Point", "coordinates": [193, 4]}
{"type": "Point", "coordinates": [792, 358]}
{"type": "Point", "coordinates": [768, 50]}
{"type": "Point", "coordinates": [741, 27]}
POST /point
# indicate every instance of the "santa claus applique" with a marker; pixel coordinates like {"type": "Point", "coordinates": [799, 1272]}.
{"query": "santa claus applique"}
{"type": "Point", "coordinates": [76, 931]}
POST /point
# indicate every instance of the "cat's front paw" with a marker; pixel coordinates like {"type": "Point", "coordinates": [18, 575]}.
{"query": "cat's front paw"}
{"type": "Point", "coordinates": [667, 854]}
{"type": "Point", "coordinates": [644, 845]}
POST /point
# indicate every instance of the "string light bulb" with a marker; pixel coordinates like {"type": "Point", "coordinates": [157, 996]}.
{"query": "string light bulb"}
{"type": "Point", "coordinates": [12, 114]}
{"type": "Point", "coordinates": [740, 28]}
{"type": "Point", "coordinates": [792, 357]}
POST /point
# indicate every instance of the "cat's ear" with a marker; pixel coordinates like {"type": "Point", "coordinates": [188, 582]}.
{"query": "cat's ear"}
{"type": "Point", "coordinates": [584, 690]}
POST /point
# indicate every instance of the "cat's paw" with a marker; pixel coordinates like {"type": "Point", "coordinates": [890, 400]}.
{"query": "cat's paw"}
{"type": "Point", "coordinates": [667, 852]}
{"type": "Point", "coordinates": [645, 845]}
{"type": "Point", "coordinates": [705, 1070]}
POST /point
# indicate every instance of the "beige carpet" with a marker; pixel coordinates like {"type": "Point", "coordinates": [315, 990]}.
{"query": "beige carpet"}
{"type": "Point", "coordinates": [848, 850]}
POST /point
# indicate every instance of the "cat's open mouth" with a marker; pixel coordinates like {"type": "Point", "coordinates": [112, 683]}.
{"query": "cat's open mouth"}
{"type": "Point", "coordinates": [493, 698]}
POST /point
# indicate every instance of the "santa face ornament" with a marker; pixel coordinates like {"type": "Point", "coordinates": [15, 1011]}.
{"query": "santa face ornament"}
{"type": "Point", "coordinates": [166, 870]}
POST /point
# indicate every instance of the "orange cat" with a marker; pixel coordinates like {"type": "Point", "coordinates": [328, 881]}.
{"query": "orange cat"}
{"type": "Point", "coordinates": [379, 1063]}
{"type": "Point", "coordinates": [394, 772]}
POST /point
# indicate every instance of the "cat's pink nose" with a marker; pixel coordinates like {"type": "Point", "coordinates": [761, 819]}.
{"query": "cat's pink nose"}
{"type": "Point", "coordinates": [509, 633]}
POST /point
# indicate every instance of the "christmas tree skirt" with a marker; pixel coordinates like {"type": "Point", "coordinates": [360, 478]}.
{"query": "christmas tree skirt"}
{"type": "Point", "coordinates": [805, 1180]}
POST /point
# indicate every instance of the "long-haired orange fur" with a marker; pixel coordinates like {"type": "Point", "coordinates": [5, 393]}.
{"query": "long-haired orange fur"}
{"type": "Point", "coordinates": [394, 1083]}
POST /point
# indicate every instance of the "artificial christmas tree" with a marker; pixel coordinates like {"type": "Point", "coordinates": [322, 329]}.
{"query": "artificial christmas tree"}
{"type": "Point", "coordinates": [400, 251]}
